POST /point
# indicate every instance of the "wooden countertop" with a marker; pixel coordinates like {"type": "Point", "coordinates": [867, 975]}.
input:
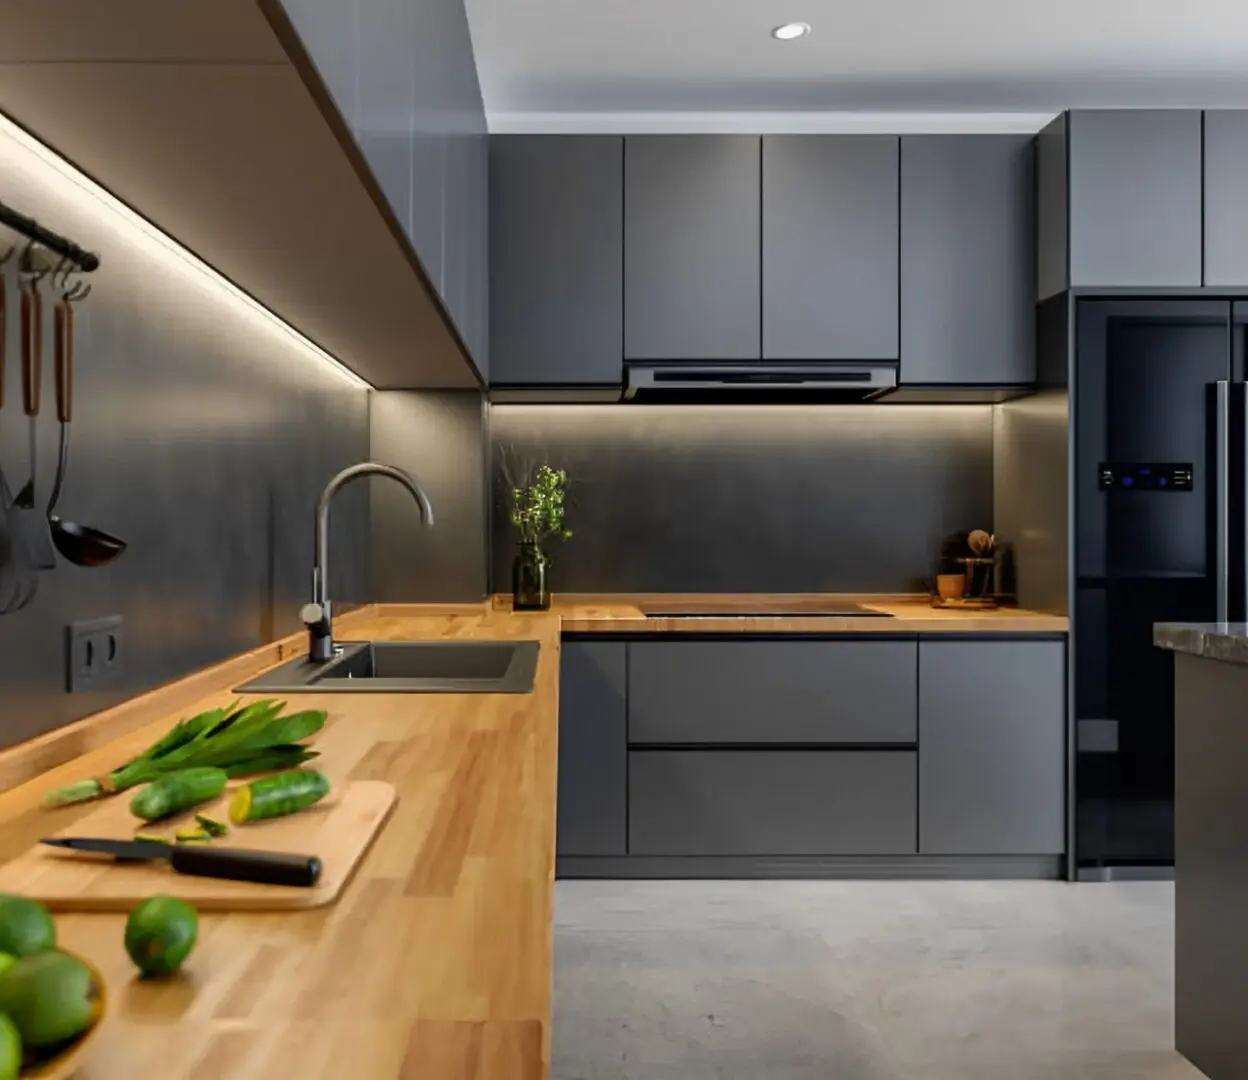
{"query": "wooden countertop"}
{"type": "Point", "coordinates": [620, 614]}
{"type": "Point", "coordinates": [437, 960]}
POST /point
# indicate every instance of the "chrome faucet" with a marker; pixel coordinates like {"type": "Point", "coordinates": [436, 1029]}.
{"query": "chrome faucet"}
{"type": "Point", "coordinates": [317, 615]}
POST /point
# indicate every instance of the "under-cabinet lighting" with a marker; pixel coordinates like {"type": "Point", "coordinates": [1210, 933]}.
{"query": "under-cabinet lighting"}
{"type": "Point", "coordinates": [791, 31]}
{"type": "Point", "coordinates": [75, 184]}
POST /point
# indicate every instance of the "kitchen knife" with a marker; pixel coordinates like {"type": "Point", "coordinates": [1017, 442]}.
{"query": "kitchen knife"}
{"type": "Point", "coordinates": [235, 864]}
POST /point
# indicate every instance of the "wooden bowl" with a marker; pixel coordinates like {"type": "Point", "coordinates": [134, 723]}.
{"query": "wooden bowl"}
{"type": "Point", "coordinates": [66, 1063]}
{"type": "Point", "coordinates": [950, 586]}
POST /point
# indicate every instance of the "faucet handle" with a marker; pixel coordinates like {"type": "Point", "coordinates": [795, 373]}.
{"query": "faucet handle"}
{"type": "Point", "coordinates": [313, 615]}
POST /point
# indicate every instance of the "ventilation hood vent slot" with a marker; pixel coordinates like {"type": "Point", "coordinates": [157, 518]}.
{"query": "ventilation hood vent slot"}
{"type": "Point", "coordinates": [770, 383]}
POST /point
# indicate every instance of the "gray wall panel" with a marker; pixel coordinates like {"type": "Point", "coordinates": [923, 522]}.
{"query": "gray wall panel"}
{"type": "Point", "coordinates": [202, 434]}
{"type": "Point", "coordinates": [440, 437]}
{"type": "Point", "coordinates": [1052, 210]}
{"type": "Point", "coordinates": [751, 498]}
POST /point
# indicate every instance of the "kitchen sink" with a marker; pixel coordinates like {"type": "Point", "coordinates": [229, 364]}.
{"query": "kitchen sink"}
{"type": "Point", "coordinates": [408, 667]}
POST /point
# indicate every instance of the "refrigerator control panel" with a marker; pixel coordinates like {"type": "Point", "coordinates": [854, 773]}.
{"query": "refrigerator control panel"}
{"type": "Point", "coordinates": [1146, 476]}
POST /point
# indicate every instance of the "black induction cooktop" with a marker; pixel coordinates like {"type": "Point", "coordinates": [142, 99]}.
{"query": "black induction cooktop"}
{"type": "Point", "coordinates": [719, 611]}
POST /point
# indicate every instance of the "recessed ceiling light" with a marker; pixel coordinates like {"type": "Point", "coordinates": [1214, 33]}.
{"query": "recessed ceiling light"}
{"type": "Point", "coordinates": [792, 30]}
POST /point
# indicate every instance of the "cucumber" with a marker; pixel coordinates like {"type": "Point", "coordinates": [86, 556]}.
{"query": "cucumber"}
{"type": "Point", "coordinates": [276, 796]}
{"type": "Point", "coordinates": [178, 791]}
{"type": "Point", "coordinates": [211, 827]}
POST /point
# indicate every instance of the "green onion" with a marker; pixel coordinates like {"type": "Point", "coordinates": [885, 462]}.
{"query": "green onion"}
{"type": "Point", "coordinates": [241, 741]}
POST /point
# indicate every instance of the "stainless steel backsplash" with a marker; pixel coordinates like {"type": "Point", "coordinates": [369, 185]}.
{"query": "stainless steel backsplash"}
{"type": "Point", "coordinates": [750, 498]}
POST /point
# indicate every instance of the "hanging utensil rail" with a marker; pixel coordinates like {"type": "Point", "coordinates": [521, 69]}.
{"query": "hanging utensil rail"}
{"type": "Point", "coordinates": [86, 261]}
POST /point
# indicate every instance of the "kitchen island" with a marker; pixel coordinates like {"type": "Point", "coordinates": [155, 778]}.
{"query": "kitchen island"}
{"type": "Point", "coordinates": [437, 960]}
{"type": "Point", "coordinates": [1211, 842]}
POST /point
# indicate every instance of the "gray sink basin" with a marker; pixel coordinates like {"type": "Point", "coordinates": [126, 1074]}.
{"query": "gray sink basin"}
{"type": "Point", "coordinates": [409, 667]}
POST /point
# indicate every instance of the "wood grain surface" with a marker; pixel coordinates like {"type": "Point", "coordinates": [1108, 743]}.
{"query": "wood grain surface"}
{"type": "Point", "coordinates": [436, 961]}
{"type": "Point", "coordinates": [623, 614]}
{"type": "Point", "coordinates": [338, 830]}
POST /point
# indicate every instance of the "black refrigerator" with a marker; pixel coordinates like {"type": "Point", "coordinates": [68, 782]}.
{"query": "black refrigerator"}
{"type": "Point", "coordinates": [1160, 477]}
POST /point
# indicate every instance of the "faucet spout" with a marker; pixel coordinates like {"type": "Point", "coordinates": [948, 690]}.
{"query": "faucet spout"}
{"type": "Point", "coordinates": [317, 615]}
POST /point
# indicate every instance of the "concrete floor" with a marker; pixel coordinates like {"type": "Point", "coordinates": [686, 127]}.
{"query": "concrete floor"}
{"type": "Point", "coordinates": [864, 981]}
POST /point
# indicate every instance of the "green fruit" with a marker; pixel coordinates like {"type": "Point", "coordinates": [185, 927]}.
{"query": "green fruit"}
{"type": "Point", "coordinates": [7, 960]}
{"type": "Point", "coordinates": [160, 934]}
{"type": "Point", "coordinates": [26, 927]}
{"type": "Point", "coordinates": [10, 1049]}
{"type": "Point", "coordinates": [51, 997]}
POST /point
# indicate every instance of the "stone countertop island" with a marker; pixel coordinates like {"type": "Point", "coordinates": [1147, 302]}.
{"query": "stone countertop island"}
{"type": "Point", "coordinates": [1211, 842]}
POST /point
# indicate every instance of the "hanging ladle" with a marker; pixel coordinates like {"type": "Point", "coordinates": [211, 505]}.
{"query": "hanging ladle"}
{"type": "Point", "coordinates": [80, 544]}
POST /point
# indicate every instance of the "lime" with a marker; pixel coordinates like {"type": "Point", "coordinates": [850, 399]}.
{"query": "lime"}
{"type": "Point", "coordinates": [26, 927]}
{"type": "Point", "coordinates": [160, 934]}
{"type": "Point", "coordinates": [7, 960]}
{"type": "Point", "coordinates": [10, 1049]}
{"type": "Point", "coordinates": [51, 997]}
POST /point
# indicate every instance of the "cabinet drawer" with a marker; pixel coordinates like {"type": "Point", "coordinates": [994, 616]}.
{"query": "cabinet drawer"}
{"type": "Point", "coordinates": [772, 802]}
{"type": "Point", "coordinates": [773, 692]}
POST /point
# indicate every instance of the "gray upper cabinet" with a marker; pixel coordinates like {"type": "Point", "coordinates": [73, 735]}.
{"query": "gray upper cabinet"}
{"type": "Point", "coordinates": [556, 260]}
{"type": "Point", "coordinates": [593, 751]}
{"type": "Point", "coordinates": [830, 247]}
{"type": "Point", "coordinates": [967, 260]}
{"type": "Point", "coordinates": [1226, 197]}
{"type": "Point", "coordinates": [992, 747]}
{"type": "Point", "coordinates": [403, 75]}
{"type": "Point", "coordinates": [691, 247]}
{"type": "Point", "coordinates": [1135, 197]}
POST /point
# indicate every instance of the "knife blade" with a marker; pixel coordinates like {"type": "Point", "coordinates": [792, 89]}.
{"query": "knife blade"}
{"type": "Point", "coordinates": [233, 864]}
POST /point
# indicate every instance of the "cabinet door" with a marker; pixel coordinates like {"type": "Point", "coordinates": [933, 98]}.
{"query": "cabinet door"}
{"type": "Point", "coordinates": [795, 691]}
{"type": "Point", "coordinates": [1135, 197]}
{"type": "Point", "coordinates": [992, 747]}
{"type": "Point", "coordinates": [593, 751]}
{"type": "Point", "coordinates": [1226, 197]}
{"type": "Point", "coordinates": [556, 259]}
{"type": "Point", "coordinates": [691, 247]}
{"type": "Point", "coordinates": [967, 260]}
{"type": "Point", "coordinates": [830, 226]}
{"type": "Point", "coordinates": [771, 802]}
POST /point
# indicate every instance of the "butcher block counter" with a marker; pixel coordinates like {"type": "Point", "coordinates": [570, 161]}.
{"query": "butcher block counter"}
{"type": "Point", "coordinates": [754, 613]}
{"type": "Point", "coordinates": [436, 962]}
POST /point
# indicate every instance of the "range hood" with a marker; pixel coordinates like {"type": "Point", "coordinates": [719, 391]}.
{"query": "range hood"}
{"type": "Point", "coordinates": [770, 383]}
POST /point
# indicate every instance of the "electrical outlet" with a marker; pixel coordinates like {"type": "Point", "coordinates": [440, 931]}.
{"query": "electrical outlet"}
{"type": "Point", "coordinates": [94, 654]}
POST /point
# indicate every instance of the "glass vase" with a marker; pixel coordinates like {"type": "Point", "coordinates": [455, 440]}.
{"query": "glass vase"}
{"type": "Point", "coordinates": [529, 585]}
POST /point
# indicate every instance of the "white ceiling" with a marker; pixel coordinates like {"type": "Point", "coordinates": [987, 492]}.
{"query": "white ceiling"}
{"type": "Point", "coordinates": [707, 64]}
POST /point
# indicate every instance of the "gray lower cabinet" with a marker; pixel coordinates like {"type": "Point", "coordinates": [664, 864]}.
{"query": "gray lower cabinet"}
{"type": "Point", "coordinates": [967, 260]}
{"type": "Point", "coordinates": [830, 225]}
{"type": "Point", "coordinates": [771, 802]}
{"type": "Point", "coordinates": [1135, 197]}
{"type": "Point", "coordinates": [556, 260]}
{"type": "Point", "coordinates": [593, 750]}
{"type": "Point", "coordinates": [1226, 197]}
{"type": "Point", "coordinates": [691, 236]}
{"type": "Point", "coordinates": [992, 747]}
{"type": "Point", "coordinates": [790, 691]}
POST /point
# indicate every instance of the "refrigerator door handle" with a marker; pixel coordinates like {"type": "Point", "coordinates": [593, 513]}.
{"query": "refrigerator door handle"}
{"type": "Point", "coordinates": [1223, 496]}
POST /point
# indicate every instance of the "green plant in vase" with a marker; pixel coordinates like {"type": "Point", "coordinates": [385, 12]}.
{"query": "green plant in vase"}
{"type": "Point", "coordinates": [537, 512]}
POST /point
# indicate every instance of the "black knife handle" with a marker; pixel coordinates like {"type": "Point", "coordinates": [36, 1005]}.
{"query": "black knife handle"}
{"type": "Point", "coordinates": [239, 864]}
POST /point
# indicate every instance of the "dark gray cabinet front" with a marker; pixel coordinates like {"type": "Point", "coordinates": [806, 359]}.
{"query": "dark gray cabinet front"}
{"type": "Point", "coordinates": [794, 691]}
{"type": "Point", "coordinates": [593, 751]}
{"type": "Point", "coordinates": [691, 247]}
{"type": "Point", "coordinates": [1226, 197]}
{"type": "Point", "coordinates": [771, 802]}
{"type": "Point", "coordinates": [992, 747]}
{"type": "Point", "coordinates": [556, 260]}
{"type": "Point", "coordinates": [1135, 197]}
{"type": "Point", "coordinates": [967, 260]}
{"type": "Point", "coordinates": [830, 227]}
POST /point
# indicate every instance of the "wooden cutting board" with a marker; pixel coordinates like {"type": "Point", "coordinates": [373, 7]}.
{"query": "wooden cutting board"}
{"type": "Point", "coordinates": [339, 830]}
